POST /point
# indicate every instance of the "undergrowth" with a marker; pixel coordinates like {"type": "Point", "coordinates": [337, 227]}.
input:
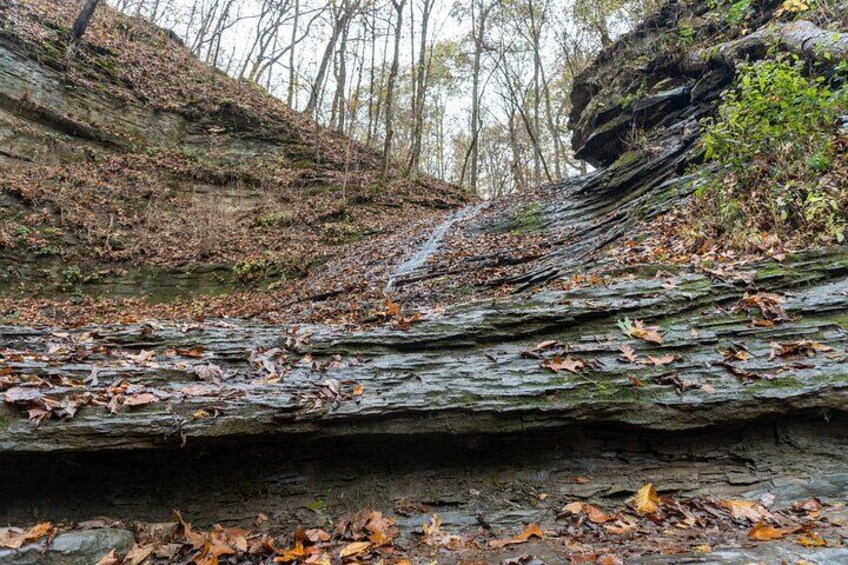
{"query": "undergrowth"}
{"type": "Point", "coordinates": [780, 144]}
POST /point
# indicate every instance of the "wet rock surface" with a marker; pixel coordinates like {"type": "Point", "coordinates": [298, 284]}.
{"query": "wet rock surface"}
{"type": "Point", "coordinates": [73, 548]}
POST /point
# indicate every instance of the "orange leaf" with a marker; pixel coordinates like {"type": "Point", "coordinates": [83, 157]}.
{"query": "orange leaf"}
{"type": "Point", "coordinates": [765, 532]}
{"type": "Point", "coordinates": [647, 500]}
{"type": "Point", "coordinates": [532, 530]}
{"type": "Point", "coordinates": [109, 559]}
{"type": "Point", "coordinates": [812, 540]}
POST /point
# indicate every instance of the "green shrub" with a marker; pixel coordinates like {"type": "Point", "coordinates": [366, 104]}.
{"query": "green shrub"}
{"type": "Point", "coordinates": [782, 164]}
{"type": "Point", "coordinates": [733, 12]}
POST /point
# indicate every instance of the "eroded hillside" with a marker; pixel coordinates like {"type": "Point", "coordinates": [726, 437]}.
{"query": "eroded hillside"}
{"type": "Point", "coordinates": [133, 168]}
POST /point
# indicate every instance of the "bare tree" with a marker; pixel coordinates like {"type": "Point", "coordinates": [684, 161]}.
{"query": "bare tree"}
{"type": "Point", "coordinates": [343, 14]}
{"type": "Point", "coordinates": [390, 88]}
{"type": "Point", "coordinates": [81, 23]}
{"type": "Point", "coordinates": [420, 89]}
{"type": "Point", "coordinates": [480, 12]}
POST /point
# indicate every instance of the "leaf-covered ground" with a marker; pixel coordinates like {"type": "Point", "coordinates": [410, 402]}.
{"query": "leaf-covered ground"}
{"type": "Point", "coordinates": [650, 525]}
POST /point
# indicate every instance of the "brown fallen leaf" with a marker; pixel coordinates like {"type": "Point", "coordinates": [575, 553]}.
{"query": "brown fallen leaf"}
{"type": "Point", "coordinates": [660, 361]}
{"type": "Point", "coordinates": [140, 399]}
{"type": "Point", "coordinates": [594, 515]}
{"type": "Point", "coordinates": [805, 347]}
{"type": "Point", "coordinates": [14, 538]}
{"type": "Point", "coordinates": [647, 501]}
{"type": "Point", "coordinates": [109, 559]}
{"type": "Point", "coordinates": [622, 526]}
{"type": "Point", "coordinates": [354, 548]}
{"type": "Point", "coordinates": [194, 352]}
{"type": "Point", "coordinates": [139, 554]}
{"type": "Point", "coordinates": [770, 305]}
{"type": "Point", "coordinates": [210, 372]}
{"type": "Point", "coordinates": [810, 506]}
{"type": "Point", "coordinates": [745, 510]}
{"type": "Point", "coordinates": [531, 531]}
{"type": "Point", "coordinates": [628, 354]}
{"type": "Point", "coordinates": [558, 364]}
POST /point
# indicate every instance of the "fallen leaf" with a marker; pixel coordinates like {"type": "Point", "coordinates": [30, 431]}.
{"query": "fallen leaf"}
{"type": "Point", "coordinates": [639, 330]}
{"type": "Point", "coordinates": [745, 510]}
{"type": "Point", "coordinates": [660, 361]}
{"type": "Point", "coordinates": [765, 532]}
{"type": "Point", "coordinates": [531, 531]}
{"type": "Point", "coordinates": [139, 553]}
{"type": "Point", "coordinates": [810, 506]}
{"type": "Point", "coordinates": [812, 540]}
{"type": "Point", "coordinates": [594, 515]}
{"type": "Point", "coordinates": [558, 364]}
{"type": "Point", "coordinates": [628, 354]}
{"type": "Point", "coordinates": [622, 526]}
{"type": "Point", "coordinates": [141, 399]}
{"type": "Point", "coordinates": [13, 538]}
{"type": "Point", "coordinates": [647, 501]}
{"type": "Point", "coordinates": [109, 559]}
{"type": "Point", "coordinates": [354, 548]}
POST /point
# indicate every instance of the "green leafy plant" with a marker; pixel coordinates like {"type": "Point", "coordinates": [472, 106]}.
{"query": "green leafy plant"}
{"type": "Point", "coordinates": [781, 154]}
{"type": "Point", "coordinates": [733, 13]}
{"type": "Point", "coordinates": [685, 36]}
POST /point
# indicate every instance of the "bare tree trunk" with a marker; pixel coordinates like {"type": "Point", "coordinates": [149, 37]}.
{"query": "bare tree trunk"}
{"type": "Point", "coordinates": [420, 91]}
{"type": "Point", "coordinates": [81, 23]}
{"type": "Point", "coordinates": [342, 21]}
{"type": "Point", "coordinates": [373, 111]}
{"type": "Point", "coordinates": [480, 14]}
{"type": "Point", "coordinates": [337, 121]}
{"type": "Point", "coordinates": [390, 88]}
{"type": "Point", "coordinates": [292, 70]}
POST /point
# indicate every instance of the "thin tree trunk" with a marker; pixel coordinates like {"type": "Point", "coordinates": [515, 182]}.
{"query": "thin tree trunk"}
{"type": "Point", "coordinates": [342, 22]}
{"type": "Point", "coordinates": [390, 89]}
{"type": "Point", "coordinates": [81, 23]}
{"type": "Point", "coordinates": [292, 70]}
{"type": "Point", "coordinates": [420, 92]}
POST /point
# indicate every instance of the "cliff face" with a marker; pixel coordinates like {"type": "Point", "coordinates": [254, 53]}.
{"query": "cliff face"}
{"type": "Point", "coordinates": [670, 71]}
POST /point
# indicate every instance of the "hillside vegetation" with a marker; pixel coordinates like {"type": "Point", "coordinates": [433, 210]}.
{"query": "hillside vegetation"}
{"type": "Point", "coordinates": [135, 162]}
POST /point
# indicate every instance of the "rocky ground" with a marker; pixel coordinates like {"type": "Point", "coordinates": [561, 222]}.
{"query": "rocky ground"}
{"type": "Point", "coordinates": [558, 375]}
